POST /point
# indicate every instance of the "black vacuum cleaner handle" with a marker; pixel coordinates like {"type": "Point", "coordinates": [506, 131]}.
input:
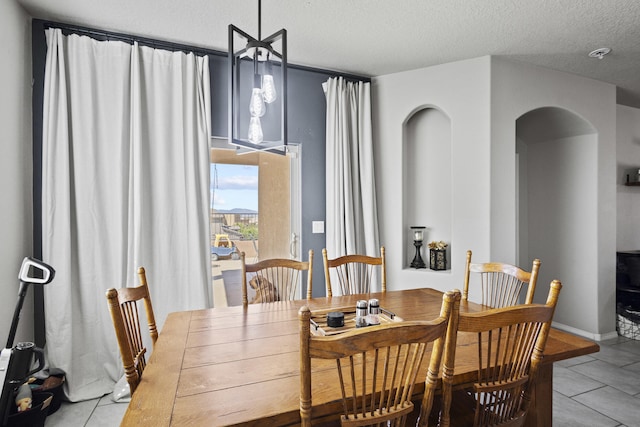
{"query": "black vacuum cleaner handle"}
{"type": "Point", "coordinates": [27, 276]}
{"type": "Point", "coordinates": [48, 273]}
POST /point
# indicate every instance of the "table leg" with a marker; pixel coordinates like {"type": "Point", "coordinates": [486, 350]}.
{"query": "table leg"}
{"type": "Point", "coordinates": [541, 410]}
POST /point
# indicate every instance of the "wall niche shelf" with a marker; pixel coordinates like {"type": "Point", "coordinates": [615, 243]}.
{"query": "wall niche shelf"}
{"type": "Point", "coordinates": [426, 183]}
{"type": "Point", "coordinates": [427, 270]}
{"type": "Point", "coordinates": [633, 177]}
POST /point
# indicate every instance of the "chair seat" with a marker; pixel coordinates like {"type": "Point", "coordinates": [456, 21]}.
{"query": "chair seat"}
{"type": "Point", "coordinates": [378, 416]}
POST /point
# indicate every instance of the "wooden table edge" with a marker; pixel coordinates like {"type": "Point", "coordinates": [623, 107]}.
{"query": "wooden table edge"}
{"type": "Point", "coordinates": [159, 387]}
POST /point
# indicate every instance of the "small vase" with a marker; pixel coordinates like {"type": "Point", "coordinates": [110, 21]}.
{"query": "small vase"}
{"type": "Point", "coordinates": [438, 259]}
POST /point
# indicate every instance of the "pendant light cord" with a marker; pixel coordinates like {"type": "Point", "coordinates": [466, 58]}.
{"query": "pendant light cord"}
{"type": "Point", "coordinates": [260, 20]}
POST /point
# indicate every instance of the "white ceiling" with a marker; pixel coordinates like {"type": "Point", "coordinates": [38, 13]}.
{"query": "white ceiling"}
{"type": "Point", "coordinates": [377, 37]}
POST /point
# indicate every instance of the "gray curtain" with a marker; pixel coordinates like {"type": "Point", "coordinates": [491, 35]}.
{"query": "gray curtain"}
{"type": "Point", "coordinates": [351, 217]}
{"type": "Point", "coordinates": [125, 184]}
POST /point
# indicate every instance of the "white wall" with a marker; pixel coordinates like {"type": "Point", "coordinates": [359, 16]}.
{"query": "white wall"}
{"type": "Point", "coordinates": [15, 164]}
{"type": "Point", "coordinates": [562, 223]}
{"type": "Point", "coordinates": [460, 91]}
{"type": "Point", "coordinates": [628, 155]}
{"type": "Point", "coordinates": [483, 97]}
{"type": "Point", "coordinates": [522, 214]}
{"type": "Point", "coordinates": [587, 300]}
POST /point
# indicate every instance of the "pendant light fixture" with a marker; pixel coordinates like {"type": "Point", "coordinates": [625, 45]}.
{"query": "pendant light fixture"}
{"type": "Point", "coordinates": [257, 89]}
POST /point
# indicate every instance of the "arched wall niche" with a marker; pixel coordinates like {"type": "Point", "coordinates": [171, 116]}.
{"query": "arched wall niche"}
{"type": "Point", "coordinates": [557, 163]}
{"type": "Point", "coordinates": [426, 179]}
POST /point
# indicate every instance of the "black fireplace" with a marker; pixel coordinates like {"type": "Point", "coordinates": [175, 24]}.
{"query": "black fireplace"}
{"type": "Point", "coordinates": [628, 293]}
{"type": "Point", "coordinates": [628, 279]}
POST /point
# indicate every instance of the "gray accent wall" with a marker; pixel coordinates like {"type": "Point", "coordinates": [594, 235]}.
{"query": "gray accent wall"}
{"type": "Point", "coordinates": [307, 111]}
{"type": "Point", "coordinates": [306, 126]}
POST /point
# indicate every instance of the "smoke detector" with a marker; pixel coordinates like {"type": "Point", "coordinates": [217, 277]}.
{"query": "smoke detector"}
{"type": "Point", "coordinates": [600, 53]}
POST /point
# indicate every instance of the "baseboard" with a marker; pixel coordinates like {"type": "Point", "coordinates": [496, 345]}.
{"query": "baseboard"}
{"type": "Point", "coordinates": [585, 334]}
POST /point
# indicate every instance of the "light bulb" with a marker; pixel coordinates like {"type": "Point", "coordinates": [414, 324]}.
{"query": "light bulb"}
{"type": "Point", "coordinates": [269, 89]}
{"type": "Point", "coordinates": [255, 130]}
{"type": "Point", "coordinates": [256, 105]}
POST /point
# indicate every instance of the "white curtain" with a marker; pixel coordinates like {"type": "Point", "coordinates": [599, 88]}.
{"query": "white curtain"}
{"type": "Point", "coordinates": [351, 217]}
{"type": "Point", "coordinates": [125, 184]}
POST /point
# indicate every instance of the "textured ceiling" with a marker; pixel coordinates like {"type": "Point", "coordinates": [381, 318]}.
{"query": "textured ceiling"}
{"type": "Point", "coordinates": [377, 37]}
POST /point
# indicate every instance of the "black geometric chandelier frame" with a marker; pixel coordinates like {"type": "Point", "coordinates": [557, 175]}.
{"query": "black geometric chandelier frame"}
{"type": "Point", "coordinates": [258, 90]}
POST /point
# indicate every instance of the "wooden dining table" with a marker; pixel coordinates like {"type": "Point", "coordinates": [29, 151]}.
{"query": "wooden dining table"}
{"type": "Point", "coordinates": [240, 366]}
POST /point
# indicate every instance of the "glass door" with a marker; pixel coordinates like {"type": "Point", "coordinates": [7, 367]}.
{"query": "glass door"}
{"type": "Point", "coordinates": [255, 209]}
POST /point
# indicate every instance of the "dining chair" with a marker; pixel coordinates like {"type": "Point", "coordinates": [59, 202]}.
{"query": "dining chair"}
{"type": "Point", "coordinates": [275, 279]}
{"type": "Point", "coordinates": [123, 306]}
{"type": "Point", "coordinates": [510, 343]}
{"type": "Point", "coordinates": [376, 367]}
{"type": "Point", "coordinates": [501, 284]}
{"type": "Point", "coordinates": [354, 273]}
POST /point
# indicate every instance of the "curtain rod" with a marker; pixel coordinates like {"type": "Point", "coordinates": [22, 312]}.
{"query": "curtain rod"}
{"type": "Point", "coordinates": [103, 35]}
{"type": "Point", "coordinates": [109, 35]}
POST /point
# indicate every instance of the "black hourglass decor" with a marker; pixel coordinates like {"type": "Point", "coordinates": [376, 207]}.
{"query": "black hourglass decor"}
{"type": "Point", "coordinates": [417, 242]}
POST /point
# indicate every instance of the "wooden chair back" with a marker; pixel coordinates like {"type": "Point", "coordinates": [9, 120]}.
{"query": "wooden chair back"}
{"type": "Point", "coordinates": [376, 367]}
{"type": "Point", "coordinates": [354, 273]}
{"type": "Point", "coordinates": [510, 342]}
{"type": "Point", "coordinates": [502, 284]}
{"type": "Point", "coordinates": [275, 279]}
{"type": "Point", "coordinates": [123, 306]}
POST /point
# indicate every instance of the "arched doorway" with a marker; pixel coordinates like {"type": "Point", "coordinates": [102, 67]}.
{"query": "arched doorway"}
{"type": "Point", "coordinates": [557, 164]}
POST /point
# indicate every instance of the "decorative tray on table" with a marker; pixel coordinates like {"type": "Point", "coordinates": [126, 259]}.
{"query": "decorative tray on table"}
{"type": "Point", "coordinates": [319, 320]}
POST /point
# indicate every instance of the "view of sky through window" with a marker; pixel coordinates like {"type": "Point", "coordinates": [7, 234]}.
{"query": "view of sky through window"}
{"type": "Point", "coordinates": [234, 187]}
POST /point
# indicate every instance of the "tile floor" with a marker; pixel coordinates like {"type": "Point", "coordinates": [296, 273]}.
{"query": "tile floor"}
{"type": "Point", "coordinates": [101, 412]}
{"type": "Point", "coordinates": [602, 389]}
{"type": "Point", "coordinates": [598, 390]}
